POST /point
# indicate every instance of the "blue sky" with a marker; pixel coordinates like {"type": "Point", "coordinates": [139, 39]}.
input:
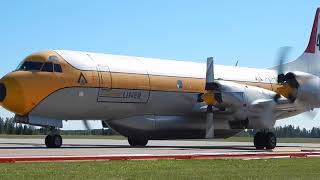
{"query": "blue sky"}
{"type": "Point", "coordinates": [248, 31]}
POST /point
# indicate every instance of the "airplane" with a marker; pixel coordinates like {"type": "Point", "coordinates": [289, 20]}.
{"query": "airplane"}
{"type": "Point", "coordinates": [156, 99]}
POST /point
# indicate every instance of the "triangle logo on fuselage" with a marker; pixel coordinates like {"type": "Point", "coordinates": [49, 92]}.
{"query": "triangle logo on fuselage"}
{"type": "Point", "coordinates": [82, 80]}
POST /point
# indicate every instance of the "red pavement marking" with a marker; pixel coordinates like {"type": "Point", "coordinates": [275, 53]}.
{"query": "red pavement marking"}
{"type": "Point", "coordinates": [148, 157]}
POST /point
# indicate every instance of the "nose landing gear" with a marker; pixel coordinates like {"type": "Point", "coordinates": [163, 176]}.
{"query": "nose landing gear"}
{"type": "Point", "coordinates": [53, 139]}
{"type": "Point", "coordinates": [265, 140]}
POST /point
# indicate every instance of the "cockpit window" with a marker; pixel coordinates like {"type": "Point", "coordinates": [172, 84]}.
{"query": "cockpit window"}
{"type": "Point", "coordinates": [30, 66]}
{"type": "Point", "coordinates": [47, 67]}
{"type": "Point", "coordinates": [39, 66]}
{"type": "Point", "coordinates": [57, 68]}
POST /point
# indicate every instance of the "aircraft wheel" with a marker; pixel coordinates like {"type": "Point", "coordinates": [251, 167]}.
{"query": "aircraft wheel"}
{"type": "Point", "coordinates": [135, 141]}
{"type": "Point", "coordinates": [259, 140]}
{"type": "Point", "coordinates": [53, 141]}
{"type": "Point", "coordinates": [47, 140]}
{"type": "Point", "coordinates": [271, 140]}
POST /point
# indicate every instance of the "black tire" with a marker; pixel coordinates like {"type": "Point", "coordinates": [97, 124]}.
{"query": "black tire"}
{"type": "Point", "coordinates": [143, 142]}
{"type": "Point", "coordinates": [259, 140]}
{"type": "Point", "coordinates": [57, 141]}
{"type": "Point", "coordinates": [48, 141]}
{"type": "Point", "coordinates": [271, 140]}
{"type": "Point", "coordinates": [53, 141]}
{"type": "Point", "coordinates": [135, 141]}
{"type": "Point", "coordinates": [131, 141]}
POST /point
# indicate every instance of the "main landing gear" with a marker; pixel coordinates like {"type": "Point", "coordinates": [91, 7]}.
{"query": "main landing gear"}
{"type": "Point", "coordinates": [264, 139]}
{"type": "Point", "coordinates": [137, 141]}
{"type": "Point", "coordinates": [53, 139]}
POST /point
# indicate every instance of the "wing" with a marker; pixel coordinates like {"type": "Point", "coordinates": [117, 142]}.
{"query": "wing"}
{"type": "Point", "coordinates": [247, 106]}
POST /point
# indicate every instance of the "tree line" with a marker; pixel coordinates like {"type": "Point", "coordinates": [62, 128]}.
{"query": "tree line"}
{"type": "Point", "coordinates": [8, 126]}
{"type": "Point", "coordinates": [288, 131]}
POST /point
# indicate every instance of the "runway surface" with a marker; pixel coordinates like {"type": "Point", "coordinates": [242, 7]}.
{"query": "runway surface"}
{"type": "Point", "coordinates": [96, 147]}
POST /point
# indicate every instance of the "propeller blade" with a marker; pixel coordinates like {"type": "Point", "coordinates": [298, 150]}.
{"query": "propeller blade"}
{"type": "Point", "coordinates": [209, 74]}
{"type": "Point", "coordinates": [311, 114]}
{"type": "Point", "coordinates": [209, 98]}
{"type": "Point", "coordinates": [209, 123]}
{"type": "Point", "coordinates": [281, 57]}
{"type": "Point", "coordinates": [86, 125]}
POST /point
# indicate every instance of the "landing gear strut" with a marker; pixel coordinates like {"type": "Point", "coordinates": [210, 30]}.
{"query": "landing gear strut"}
{"type": "Point", "coordinates": [265, 140]}
{"type": "Point", "coordinates": [53, 139]}
{"type": "Point", "coordinates": [137, 141]}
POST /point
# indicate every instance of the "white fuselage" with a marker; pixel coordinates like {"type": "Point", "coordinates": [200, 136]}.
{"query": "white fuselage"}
{"type": "Point", "coordinates": [167, 102]}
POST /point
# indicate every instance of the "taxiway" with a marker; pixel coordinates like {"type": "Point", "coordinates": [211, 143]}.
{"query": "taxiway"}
{"type": "Point", "coordinates": [93, 147]}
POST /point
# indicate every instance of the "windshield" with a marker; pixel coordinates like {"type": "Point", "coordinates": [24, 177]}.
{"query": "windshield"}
{"type": "Point", "coordinates": [30, 66]}
{"type": "Point", "coordinates": [47, 67]}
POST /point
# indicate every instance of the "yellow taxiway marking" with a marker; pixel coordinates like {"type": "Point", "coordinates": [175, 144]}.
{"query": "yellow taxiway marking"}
{"type": "Point", "coordinates": [286, 150]}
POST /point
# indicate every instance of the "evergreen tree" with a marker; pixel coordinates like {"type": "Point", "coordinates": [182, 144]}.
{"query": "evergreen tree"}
{"type": "Point", "coordinates": [19, 129]}
{"type": "Point", "coordinates": [9, 126]}
{"type": "Point", "coordinates": [1, 125]}
{"type": "Point", "coordinates": [24, 130]}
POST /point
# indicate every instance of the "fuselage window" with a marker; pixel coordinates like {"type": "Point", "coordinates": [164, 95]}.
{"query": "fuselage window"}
{"type": "Point", "coordinates": [179, 84]}
{"type": "Point", "coordinates": [47, 67]}
{"type": "Point", "coordinates": [57, 68]}
{"type": "Point", "coordinates": [30, 66]}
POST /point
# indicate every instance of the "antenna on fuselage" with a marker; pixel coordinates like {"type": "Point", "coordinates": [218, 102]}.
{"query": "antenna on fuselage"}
{"type": "Point", "coordinates": [236, 63]}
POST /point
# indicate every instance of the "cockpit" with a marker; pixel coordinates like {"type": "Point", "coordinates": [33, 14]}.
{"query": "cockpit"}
{"type": "Point", "coordinates": [37, 76]}
{"type": "Point", "coordinates": [32, 65]}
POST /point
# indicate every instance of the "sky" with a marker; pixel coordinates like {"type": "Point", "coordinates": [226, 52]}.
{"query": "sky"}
{"type": "Point", "coordinates": [249, 31]}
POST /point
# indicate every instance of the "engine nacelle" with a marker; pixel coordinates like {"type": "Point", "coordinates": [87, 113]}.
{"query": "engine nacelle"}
{"type": "Point", "coordinates": [253, 104]}
{"type": "Point", "coordinates": [308, 92]}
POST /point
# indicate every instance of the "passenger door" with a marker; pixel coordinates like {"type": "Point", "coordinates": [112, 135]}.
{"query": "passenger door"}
{"type": "Point", "coordinates": [105, 84]}
{"type": "Point", "coordinates": [123, 87]}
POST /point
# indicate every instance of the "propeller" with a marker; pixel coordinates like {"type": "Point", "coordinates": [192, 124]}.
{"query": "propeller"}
{"type": "Point", "coordinates": [281, 57]}
{"type": "Point", "coordinates": [288, 82]}
{"type": "Point", "coordinates": [209, 98]}
{"type": "Point", "coordinates": [311, 114]}
{"type": "Point", "coordinates": [209, 123]}
{"type": "Point", "coordinates": [86, 124]}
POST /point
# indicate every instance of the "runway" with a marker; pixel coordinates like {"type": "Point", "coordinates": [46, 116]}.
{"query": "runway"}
{"type": "Point", "coordinates": [106, 149]}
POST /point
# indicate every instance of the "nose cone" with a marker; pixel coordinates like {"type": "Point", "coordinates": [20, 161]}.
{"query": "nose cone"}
{"type": "Point", "coordinates": [3, 92]}
{"type": "Point", "coordinates": [12, 95]}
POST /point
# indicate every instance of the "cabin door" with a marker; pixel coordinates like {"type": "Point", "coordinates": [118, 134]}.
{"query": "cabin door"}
{"type": "Point", "coordinates": [105, 83]}
{"type": "Point", "coordinates": [123, 87]}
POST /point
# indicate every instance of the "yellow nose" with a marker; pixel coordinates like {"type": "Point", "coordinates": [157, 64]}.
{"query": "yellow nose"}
{"type": "Point", "coordinates": [12, 95]}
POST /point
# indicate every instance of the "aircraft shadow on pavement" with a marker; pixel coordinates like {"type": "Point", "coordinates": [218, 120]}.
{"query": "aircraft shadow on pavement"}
{"type": "Point", "coordinates": [95, 146]}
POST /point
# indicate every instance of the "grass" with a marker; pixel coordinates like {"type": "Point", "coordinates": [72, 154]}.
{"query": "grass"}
{"type": "Point", "coordinates": [297, 168]}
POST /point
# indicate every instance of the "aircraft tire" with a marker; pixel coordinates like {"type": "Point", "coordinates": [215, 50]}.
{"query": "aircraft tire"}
{"type": "Point", "coordinates": [271, 140]}
{"type": "Point", "coordinates": [135, 141]}
{"type": "Point", "coordinates": [48, 141]}
{"type": "Point", "coordinates": [259, 140]}
{"type": "Point", "coordinates": [53, 141]}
